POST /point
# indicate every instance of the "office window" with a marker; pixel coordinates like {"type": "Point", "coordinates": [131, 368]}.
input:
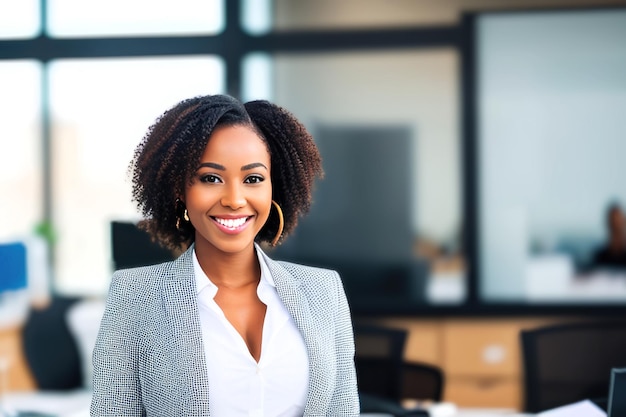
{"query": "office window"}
{"type": "Point", "coordinates": [100, 111]}
{"type": "Point", "coordinates": [76, 18]}
{"type": "Point", "coordinates": [19, 19]}
{"type": "Point", "coordinates": [21, 162]}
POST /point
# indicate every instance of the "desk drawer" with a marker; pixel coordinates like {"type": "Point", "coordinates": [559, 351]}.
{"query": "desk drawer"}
{"type": "Point", "coordinates": [476, 348]}
{"type": "Point", "coordinates": [484, 392]}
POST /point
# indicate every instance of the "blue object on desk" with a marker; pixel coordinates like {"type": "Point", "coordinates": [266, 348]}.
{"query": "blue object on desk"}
{"type": "Point", "coordinates": [13, 269]}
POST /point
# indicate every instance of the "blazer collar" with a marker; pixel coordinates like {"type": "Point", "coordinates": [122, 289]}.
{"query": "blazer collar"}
{"type": "Point", "coordinates": [294, 298]}
{"type": "Point", "coordinates": [181, 306]}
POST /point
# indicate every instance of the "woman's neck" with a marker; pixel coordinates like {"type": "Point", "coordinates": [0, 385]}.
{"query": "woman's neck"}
{"type": "Point", "coordinates": [229, 270]}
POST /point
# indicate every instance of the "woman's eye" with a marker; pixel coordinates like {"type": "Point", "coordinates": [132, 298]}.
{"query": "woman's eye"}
{"type": "Point", "coordinates": [254, 179]}
{"type": "Point", "coordinates": [210, 178]}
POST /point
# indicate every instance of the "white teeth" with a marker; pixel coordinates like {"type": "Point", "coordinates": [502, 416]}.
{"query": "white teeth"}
{"type": "Point", "coordinates": [232, 223]}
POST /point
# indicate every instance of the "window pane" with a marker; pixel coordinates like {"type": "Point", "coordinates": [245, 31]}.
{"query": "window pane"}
{"type": "Point", "coordinates": [76, 18]}
{"type": "Point", "coordinates": [256, 16]}
{"type": "Point", "coordinates": [100, 111]}
{"type": "Point", "coordinates": [257, 77]}
{"type": "Point", "coordinates": [20, 148]}
{"type": "Point", "coordinates": [19, 19]}
{"type": "Point", "coordinates": [418, 197]}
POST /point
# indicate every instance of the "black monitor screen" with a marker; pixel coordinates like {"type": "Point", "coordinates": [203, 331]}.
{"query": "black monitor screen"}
{"type": "Point", "coordinates": [360, 223]}
{"type": "Point", "coordinates": [133, 247]}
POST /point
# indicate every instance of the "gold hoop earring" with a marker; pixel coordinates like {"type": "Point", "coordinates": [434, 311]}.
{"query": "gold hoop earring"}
{"type": "Point", "coordinates": [185, 216]}
{"type": "Point", "coordinates": [281, 223]}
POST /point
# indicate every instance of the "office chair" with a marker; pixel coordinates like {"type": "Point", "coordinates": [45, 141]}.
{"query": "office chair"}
{"type": "Point", "coordinates": [422, 382]}
{"type": "Point", "coordinates": [50, 349]}
{"type": "Point", "coordinates": [385, 379]}
{"type": "Point", "coordinates": [567, 363]}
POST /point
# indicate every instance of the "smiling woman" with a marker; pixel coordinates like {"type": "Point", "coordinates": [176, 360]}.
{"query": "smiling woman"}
{"type": "Point", "coordinates": [224, 329]}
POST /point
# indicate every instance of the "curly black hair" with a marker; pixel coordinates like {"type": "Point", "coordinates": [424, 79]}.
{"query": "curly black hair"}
{"type": "Point", "coordinates": [169, 154]}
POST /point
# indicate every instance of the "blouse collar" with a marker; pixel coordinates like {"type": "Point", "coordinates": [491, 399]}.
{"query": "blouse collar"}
{"type": "Point", "coordinates": [203, 281]}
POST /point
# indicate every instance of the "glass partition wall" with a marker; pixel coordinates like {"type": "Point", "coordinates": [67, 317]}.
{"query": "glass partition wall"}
{"type": "Point", "coordinates": [550, 138]}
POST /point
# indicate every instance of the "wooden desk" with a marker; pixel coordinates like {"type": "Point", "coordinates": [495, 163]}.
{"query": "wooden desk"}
{"type": "Point", "coordinates": [481, 357]}
{"type": "Point", "coordinates": [16, 373]}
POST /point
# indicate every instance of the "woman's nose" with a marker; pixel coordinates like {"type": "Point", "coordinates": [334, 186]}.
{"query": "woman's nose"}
{"type": "Point", "coordinates": [233, 197]}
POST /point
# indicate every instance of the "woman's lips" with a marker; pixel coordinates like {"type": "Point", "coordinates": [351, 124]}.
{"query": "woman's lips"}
{"type": "Point", "coordinates": [231, 225]}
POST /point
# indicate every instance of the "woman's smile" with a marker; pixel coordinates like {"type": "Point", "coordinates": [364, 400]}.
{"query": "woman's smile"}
{"type": "Point", "coordinates": [231, 225]}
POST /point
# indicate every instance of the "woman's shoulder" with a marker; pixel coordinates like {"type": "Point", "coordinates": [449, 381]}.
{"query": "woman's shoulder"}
{"type": "Point", "coordinates": [303, 269]}
{"type": "Point", "coordinates": [142, 279]}
{"type": "Point", "coordinates": [311, 278]}
{"type": "Point", "coordinates": [143, 272]}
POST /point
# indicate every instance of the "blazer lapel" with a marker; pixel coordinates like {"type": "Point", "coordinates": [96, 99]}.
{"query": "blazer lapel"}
{"type": "Point", "coordinates": [182, 317]}
{"type": "Point", "coordinates": [296, 302]}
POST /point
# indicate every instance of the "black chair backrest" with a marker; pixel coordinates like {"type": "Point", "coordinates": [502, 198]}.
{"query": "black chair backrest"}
{"type": "Point", "coordinates": [50, 348]}
{"type": "Point", "coordinates": [378, 360]}
{"type": "Point", "coordinates": [422, 381]}
{"type": "Point", "coordinates": [570, 362]}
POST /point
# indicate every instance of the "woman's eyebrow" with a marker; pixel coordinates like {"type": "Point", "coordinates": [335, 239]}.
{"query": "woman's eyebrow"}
{"type": "Point", "coordinates": [253, 165]}
{"type": "Point", "coordinates": [212, 165]}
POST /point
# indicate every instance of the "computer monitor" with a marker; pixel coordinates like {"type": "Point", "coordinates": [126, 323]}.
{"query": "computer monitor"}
{"type": "Point", "coordinates": [617, 393]}
{"type": "Point", "coordinates": [13, 266]}
{"type": "Point", "coordinates": [132, 247]}
{"type": "Point", "coordinates": [362, 219]}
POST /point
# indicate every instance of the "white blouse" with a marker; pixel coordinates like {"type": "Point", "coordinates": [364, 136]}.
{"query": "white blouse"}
{"type": "Point", "coordinates": [277, 385]}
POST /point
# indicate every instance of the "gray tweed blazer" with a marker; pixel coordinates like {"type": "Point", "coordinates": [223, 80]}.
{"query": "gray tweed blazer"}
{"type": "Point", "coordinates": [149, 357]}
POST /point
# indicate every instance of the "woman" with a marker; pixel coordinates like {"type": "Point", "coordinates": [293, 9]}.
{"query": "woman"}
{"type": "Point", "coordinates": [224, 330]}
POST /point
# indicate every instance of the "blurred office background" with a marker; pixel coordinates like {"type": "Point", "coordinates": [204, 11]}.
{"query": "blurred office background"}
{"type": "Point", "coordinates": [471, 147]}
{"type": "Point", "coordinates": [525, 166]}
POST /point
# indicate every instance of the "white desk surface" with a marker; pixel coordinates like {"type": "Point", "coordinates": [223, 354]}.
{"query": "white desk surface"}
{"type": "Point", "coordinates": [76, 404]}
{"type": "Point", "coordinates": [65, 404]}
{"type": "Point", "coordinates": [489, 412]}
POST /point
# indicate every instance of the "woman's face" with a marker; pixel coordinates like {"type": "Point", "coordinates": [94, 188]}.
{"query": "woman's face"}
{"type": "Point", "coordinates": [230, 196]}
